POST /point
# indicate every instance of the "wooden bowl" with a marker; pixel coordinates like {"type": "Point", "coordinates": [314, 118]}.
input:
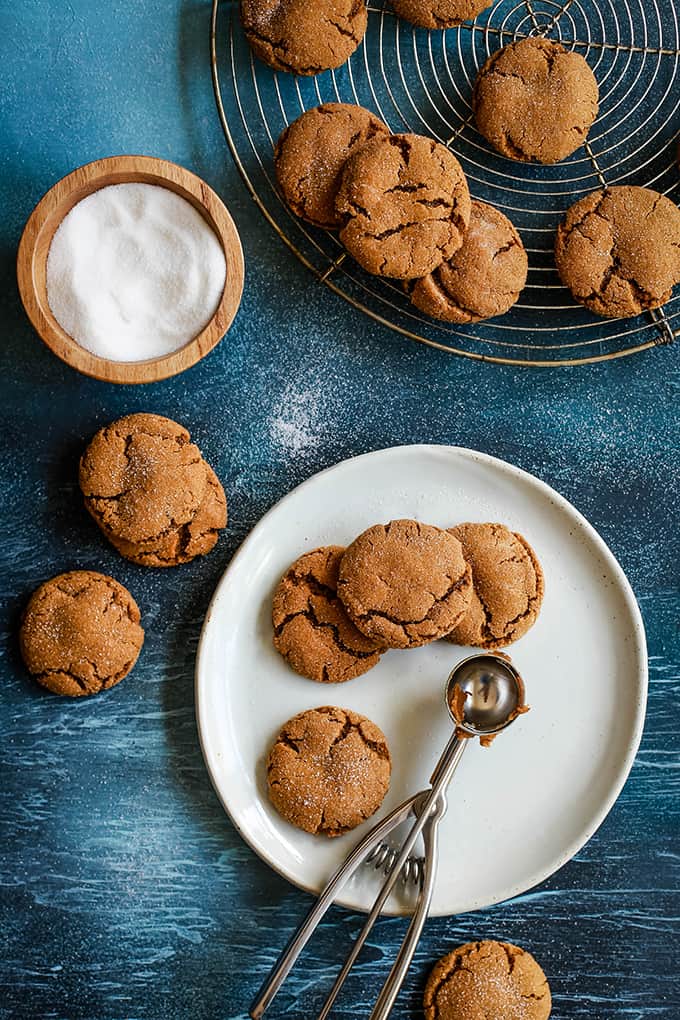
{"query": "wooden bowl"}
{"type": "Point", "coordinates": [51, 210]}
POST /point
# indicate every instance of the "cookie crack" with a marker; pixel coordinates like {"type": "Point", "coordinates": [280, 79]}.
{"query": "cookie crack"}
{"type": "Point", "coordinates": [595, 211]}
{"type": "Point", "coordinates": [393, 230]}
{"type": "Point", "coordinates": [379, 749]}
{"type": "Point", "coordinates": [185, 538]}
{"type": "Point", "coordinates": [435, 203]}
{"type": "Point", "coordinates": [402, 143]}
{"type": "Point", "coordinates": [644, 298]}
{"type": "Point", "coordinates": [515, 149]}
{"type": "Point", "coordinates": [104, 681]}
{"type": "Point", "coordinates": [408, 189]}
{"type": "Point", "coordinates": [448, 298]}
{"type": "Point", "coordinates": [383, 615]}
{"type": "Point", "coordinates": [279, 48]}
{"type": "Point", "coordinates": [312, 582]}
{"type": "Point", "coordinates": [62, 672]}
{"type": "Point", "coordinates": [310, 615]}
{"type": "Point", "coordinates": [342, 30]}
{"type": "Point", "coordinates": [458, 966]}
{"type": "Point", "coordinates": [511, 957]}
{"type": "Point", "coordinates": [489, 636]}
{"type": "Point", "coordinates": [506, 247]}
{"type": "Point", "coordinates": [355, 209]}
{"type": "Point", "coordinates": [173, 527]}
{"type": "Point", "coordinates": [87, 585]}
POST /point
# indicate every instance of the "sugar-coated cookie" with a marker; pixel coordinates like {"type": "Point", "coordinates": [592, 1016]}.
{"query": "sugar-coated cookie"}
{"type": "Point", "coordinates": [183, 543]}
{"type": "Point", "coordinates": [304, 37]}
{"type": "Point", "coordinates": [487, 981]}
{"type": "Point", "coordinates": [405, 583]}
{"type": "Point", "coordinates": [151, 492]}
{"type": "Point", "coordinates": [618, 251]}
{"type": "Point", "coordinates": [439, 13]}
{"type": "Point", "coordinates": [507, 586]}
{"type": "Point", "coordinates": [404, 205]}
{"type": "Point", "coordinates": [328, 770]}
{"type": "Point", "coordinates": [483, 278]}
{"type": "Point", "coordinates": [80, 633]}
{"type": "Point", "coordinates": [535, 101]}
{"type": "Point", "coordinates": [311, 153]}
{"type": "Point", "coordinates": [311, 627]}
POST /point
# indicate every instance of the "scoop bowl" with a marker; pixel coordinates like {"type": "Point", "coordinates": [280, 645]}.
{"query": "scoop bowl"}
{"type": "Point", "coordinates": [484, 694]}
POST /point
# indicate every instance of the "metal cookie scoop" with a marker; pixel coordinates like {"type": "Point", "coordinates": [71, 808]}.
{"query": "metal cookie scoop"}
{"type": "Point", "coordinates": [484, 694]}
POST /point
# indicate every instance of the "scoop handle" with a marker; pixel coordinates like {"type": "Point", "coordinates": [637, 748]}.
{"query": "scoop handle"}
{"type": "Point", "coordinates": [447, 763]}
{"type": "Point", "coordinates": [390, 990]}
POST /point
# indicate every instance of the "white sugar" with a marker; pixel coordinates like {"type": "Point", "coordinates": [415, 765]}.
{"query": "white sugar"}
{"type": "Point", "coordinates": [134, 272]}
{"type": "Point", "coordinates": [292, 427]}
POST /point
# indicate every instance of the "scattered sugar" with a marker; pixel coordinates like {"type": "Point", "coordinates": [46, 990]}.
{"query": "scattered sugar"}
{"type": "Point", "coordinates": [134, 272]}
{"type": "Point", "coordinates": [293, 426]}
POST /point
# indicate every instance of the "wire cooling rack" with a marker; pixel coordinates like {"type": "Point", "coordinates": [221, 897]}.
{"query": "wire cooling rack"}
{"type": "Point", "coordinates": [421, 81]}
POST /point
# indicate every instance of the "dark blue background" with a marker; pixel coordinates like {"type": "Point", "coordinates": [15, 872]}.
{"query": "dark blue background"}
{"type": "Point", "coordinates": [124, 890]}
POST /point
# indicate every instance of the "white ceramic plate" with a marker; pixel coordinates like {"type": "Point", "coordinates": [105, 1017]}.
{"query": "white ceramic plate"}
{"type": "Point", "coordinates": [518, 810]}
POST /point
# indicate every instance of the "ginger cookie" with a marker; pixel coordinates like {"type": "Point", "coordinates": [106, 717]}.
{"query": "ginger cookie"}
{"type": "Point", "coordinates": [405, 583]}
{"type": "Point", "coordinates": [328, 771]}
{"type": "Point", "coordinates": [439, 13]}
{"type": "Point", "coordinates": [302, 37]}
{"type": "Point", "coordinates": [618, 250]}
{"type": "Point", "coordinates": [483, 278]}
{"type": "Point", "coordinates": [183, 543]}
{"type": "Point", "coordinates": [507, 586]}
{"type": "Point", "coordinates": [485, 980]}
{"type": "Point", "coordinates": [311, 153]}
{"type": "Point", "coordinates": [150, 491]}
{"type": "Point", "coordinates": [535, 101]}
{"type": "Point", "coordinates": [80, 633]}
{"type": "Point", "coordinates": [404, 204]}
{"type": "Point", "coordinates": [312, 631]}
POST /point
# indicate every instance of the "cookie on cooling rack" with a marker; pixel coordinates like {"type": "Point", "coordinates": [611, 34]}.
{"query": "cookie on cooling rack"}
{"type": "Point", "coordinates": [535, 101]}
{"type": "Point", "coordinates": [507, 586]}
{"type": "Point", "coordinates": [80, 633]}
{"type": "Point", "coordinates": [312, 630]}
{"type": "Point", "coordinates": [404, 204]}
{"type": "Point", "coordinates": [618, 250]}
{"type": "Point", "coordinates": [483, 278]}
{"type": "Point", "coordinates": [310, 155]}
{"type": "Point", "coordinates": [487, 979]}
{"type": "Point", "coordinates": [328, 770]}
{"type": "Point", "coordinates": [439, 13]}
{"type": "Point", "coordinates": [405, 583]}
{"type": "Point", "coordinates": [303, 37]}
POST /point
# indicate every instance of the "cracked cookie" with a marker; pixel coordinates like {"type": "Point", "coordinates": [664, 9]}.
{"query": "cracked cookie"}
{"type": "Point", "coordinates": [507, 586]}
{"type": "Point", "coordinates": [183, 543]}
{"type": "Point", "coordinates": [310, 155]}
{"type": "Point", "coordinates": [150, 491]}
{"type": "Point", "coordinates": [328, 771]}
{"type": "Point", "coordinates": [487, 981]}
{"type": "Point", "coordinates": [80, 633]}
{"type": "Point", "coordinates": [484, 277]}
{"type": "Point", "coordinates": [312, 631]}
{"type": "Point", "coordinates": [618, 250]}
{"type": "Point", "coordinates": [535, 101]}
{"type": "Point", "coordinates": [303, 37]}
{"type": "Point", "coordinates": [404, 204]}
{"type": "Point", "coordinates": [439, 13]}
{"type": "Point", "coordinates": [405, 583]}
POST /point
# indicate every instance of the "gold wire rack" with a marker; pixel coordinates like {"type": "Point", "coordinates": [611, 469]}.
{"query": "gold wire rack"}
{"type": "Point", "coordinates": [422, 81]}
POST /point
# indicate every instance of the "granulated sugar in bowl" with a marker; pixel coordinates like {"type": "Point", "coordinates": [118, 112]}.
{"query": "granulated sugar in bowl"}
{"type": "Point", "coordinates": [134, 272]}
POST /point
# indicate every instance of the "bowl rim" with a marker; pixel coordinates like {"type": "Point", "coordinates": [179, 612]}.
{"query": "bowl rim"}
{"type": "Point", "coordinates": [48, 214]}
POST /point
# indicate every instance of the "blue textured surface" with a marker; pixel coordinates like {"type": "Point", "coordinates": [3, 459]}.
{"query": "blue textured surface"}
{"type": "Point", "coordinates": [124, 890]}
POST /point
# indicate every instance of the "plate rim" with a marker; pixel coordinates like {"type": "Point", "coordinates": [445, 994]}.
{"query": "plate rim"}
{"type": "Point", "coordinates": [623, 772]}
